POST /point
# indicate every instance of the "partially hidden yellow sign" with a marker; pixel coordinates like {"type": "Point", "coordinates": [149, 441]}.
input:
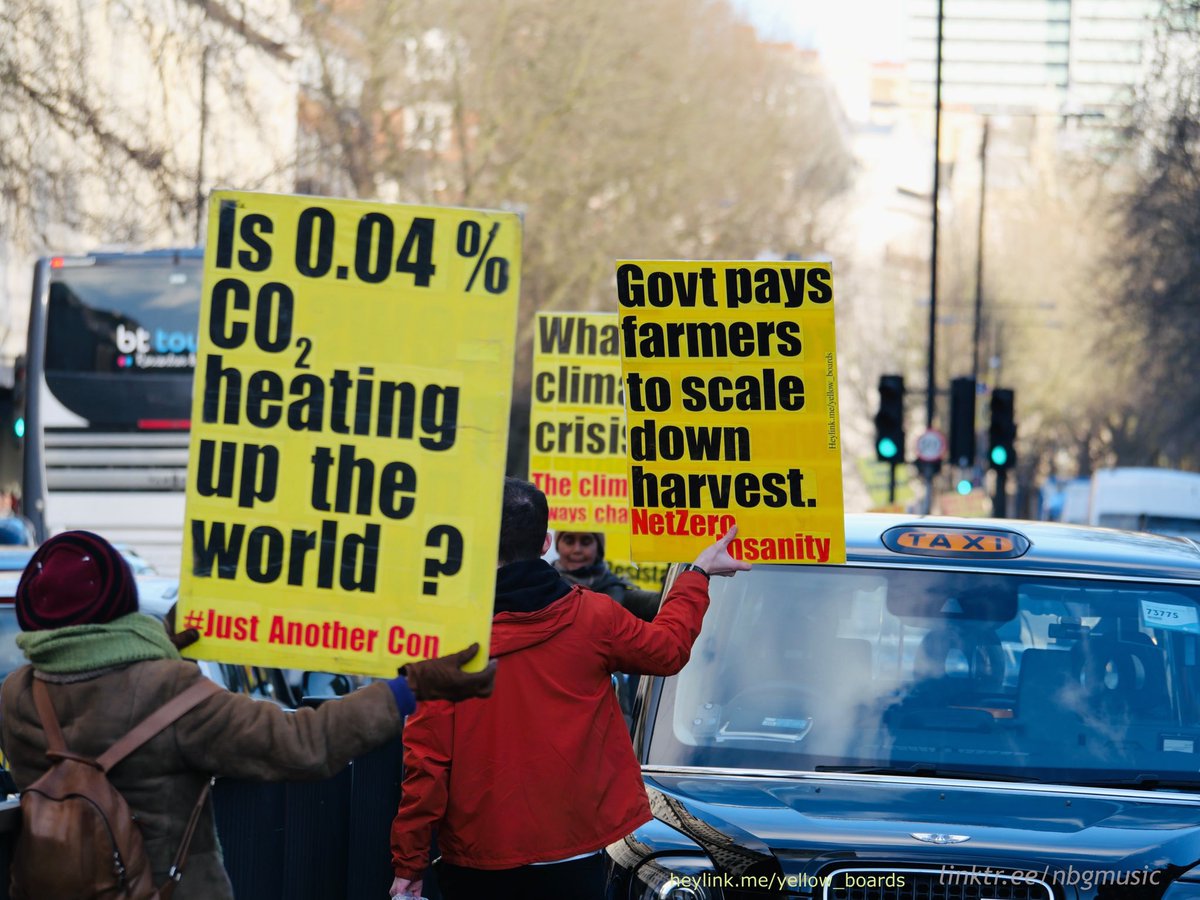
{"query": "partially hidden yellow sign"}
{"type": "Point", "coordinates": [349, 431]}
{"type": "Point", "coordinates": [577, 422]}
{"type": "Point", "coordinates": [577, 433]}
{"type": "Point", "coordinates": [732, 412]}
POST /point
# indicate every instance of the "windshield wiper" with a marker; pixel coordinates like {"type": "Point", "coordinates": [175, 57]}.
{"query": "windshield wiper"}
{"type": "Point", "coordinates": [927, 771]}
{"type": "Point", "coordinates": [1145, 781]}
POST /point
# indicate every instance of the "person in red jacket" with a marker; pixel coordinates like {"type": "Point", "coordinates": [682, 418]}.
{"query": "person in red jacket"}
{"type": "Point", "coordinates": [527, 787]}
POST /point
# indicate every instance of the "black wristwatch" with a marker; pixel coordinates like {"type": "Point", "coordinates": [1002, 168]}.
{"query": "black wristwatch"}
{"type": "Point", "coordinates": [692, 567]}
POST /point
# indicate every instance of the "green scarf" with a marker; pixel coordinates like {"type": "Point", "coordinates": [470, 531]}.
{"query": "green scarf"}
{"type": "Point", "coordinates": [85, 648]}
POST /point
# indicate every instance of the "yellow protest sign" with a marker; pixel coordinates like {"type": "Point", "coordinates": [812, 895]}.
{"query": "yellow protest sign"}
{"type": "Point", "coordinates": [644, 576]}
{"type": "Point", "coordinates": [731, 401]}
{"type": "Point", "coordinates": [577, 432]}
{"type": "Point", "coordinates": [349, 431]}
{"type": "Point", "coordinates": [577, 422]}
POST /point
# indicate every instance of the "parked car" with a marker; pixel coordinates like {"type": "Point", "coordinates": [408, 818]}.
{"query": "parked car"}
{"type": "Point", "coordinates": [156, 596]}
{"type": "Point", "coordinates": [15, 559]}
{"type": "Point", "coordinates": [12, 563]}
{"type": "Point", "coordinates": [138, 564]}
{"type": "Point", "coordinates": [17, 531]}
{"type": "Point", "coordinates": [10, 656]}
{"type": "Point", "coordinates": [964, 709]}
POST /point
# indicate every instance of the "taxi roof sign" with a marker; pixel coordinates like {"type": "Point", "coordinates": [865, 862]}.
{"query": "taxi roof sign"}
{"type": "Point", "coordinates": [955, 542]}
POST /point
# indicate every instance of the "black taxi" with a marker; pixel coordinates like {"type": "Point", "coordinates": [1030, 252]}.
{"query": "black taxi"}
{"type": "Point", "coordinates": [965, 709]}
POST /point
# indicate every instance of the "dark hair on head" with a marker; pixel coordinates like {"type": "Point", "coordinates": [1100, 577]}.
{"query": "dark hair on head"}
{"type": "Point", "coordinates": [523, 521]}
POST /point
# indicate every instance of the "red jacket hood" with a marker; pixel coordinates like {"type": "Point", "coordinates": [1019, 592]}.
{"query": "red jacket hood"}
{"type": "Point", "coordinates": [513, 631]}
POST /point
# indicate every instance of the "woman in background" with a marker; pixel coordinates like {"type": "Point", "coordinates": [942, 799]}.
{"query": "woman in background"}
{"type": "Point", "coordinates": [581, 561]}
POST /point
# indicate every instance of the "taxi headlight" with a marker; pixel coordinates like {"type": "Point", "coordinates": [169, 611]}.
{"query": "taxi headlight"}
{"type": "Point", "coordinates": [676, 878]}
{"type": "Point", "coordinates": [1187, 887]}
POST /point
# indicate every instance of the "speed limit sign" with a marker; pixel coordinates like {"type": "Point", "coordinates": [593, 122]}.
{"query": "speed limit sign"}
{"type": "Point", "coordinates": [931, 446]}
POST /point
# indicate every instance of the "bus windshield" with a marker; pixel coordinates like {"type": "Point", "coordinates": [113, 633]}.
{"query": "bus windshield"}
{"type": "Point", "coordinates": [121, 341]}
{"type": "Point", "coordinates": [107, 397]}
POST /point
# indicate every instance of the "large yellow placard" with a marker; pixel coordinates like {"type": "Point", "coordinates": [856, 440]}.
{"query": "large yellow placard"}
{"type": "Point", "coordinates": [349, 431]}
{"type": "Point", "coordinates": [731, 398]}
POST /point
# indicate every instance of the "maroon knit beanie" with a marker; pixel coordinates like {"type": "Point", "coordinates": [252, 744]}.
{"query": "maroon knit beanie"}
{"type": "Point", "coordinates": [74, 578]}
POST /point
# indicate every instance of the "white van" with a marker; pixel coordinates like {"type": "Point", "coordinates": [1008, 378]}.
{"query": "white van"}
{"type": "Point", "coordinates": [1164, 501]}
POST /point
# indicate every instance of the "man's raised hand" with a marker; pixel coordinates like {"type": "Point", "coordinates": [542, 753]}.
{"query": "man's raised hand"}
{"type": "Point", "coordinates": [715, 559]}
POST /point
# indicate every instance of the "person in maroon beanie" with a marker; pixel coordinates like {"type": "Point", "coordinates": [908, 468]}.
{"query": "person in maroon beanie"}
{"type": "Point", "coordinates": [73, 578]}
{"type": "Point", "coordinates": [107, 667]}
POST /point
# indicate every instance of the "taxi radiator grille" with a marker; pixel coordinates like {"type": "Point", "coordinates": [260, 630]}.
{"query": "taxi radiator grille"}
{"type": "Point", "coordinates": [897, 883]}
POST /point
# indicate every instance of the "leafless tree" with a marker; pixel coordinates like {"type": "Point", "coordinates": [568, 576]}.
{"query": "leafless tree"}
{"type": "Point", "coordinates": [1159, 255]}
{"type": "Point", "coordinates": [618, 128]}
{"type": "Point", "coordinates": [117, 116]}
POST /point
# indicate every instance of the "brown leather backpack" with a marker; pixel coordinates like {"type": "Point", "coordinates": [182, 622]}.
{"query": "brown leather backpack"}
{"type": "Point", "coordinates": [78, 839]}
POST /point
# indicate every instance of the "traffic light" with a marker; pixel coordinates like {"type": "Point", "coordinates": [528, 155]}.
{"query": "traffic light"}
{"type": "Point", "coordinates": [8, 418]}
{"type": "Point", "coordinates": [1002, 432]}
{"type": "Point", "coordinates": [19, 394]}
{"type": "Point", "coordinates": [962, 422]}
{"type": "Point", "coordinates": [889, 421]}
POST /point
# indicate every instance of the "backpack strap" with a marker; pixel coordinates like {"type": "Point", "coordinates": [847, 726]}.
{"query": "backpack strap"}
{"type": "Point", "coordinates": [150, 726]}
{"type": "Point", "coordinates": [175, 873]}
{"type": "Point", "coordinates": [157, 721]}
{"type": "Point", "coordinates": [142, 732]}
{"type": "Point", "coordinates": [45, 710]}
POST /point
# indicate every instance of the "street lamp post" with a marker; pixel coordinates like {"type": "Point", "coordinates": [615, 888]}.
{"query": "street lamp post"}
{"type": "Point", "coordinates": [931, 373]}
{"type": "Point", "coordinates": [983, 143]}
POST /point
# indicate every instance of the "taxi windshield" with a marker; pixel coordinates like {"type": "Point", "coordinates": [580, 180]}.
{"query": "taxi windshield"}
{"type": "Point", "coordinates": [1049, 679]}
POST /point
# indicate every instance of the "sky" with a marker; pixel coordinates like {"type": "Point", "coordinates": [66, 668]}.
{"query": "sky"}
{"type": "Point", "coordinates": [865, 29]}
{"type": "Point", "coordinates": [848, 35]}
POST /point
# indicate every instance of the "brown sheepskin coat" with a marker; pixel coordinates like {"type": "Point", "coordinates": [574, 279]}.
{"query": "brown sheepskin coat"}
{"type": "Point", "coordinates": [227, 734]}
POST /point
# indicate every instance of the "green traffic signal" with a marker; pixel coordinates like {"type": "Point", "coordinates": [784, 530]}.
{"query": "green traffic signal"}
{"type": "Point", "coordinates": [1002, 430]}
{"type": "Point", "coordinates": [19, 427]}
{"type": "Point", "coordinates": [964, 486]}
{"type": "Point", "coordinates": [889, 420]}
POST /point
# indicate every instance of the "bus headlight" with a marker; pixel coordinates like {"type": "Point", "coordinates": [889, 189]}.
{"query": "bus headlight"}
{"type": "Point", "coordinates": [677, 878]}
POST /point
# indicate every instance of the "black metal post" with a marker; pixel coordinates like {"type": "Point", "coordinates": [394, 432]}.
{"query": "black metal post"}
{"type": "Point", "coordinates": [203, 138]}
{"type": "Point", "coordinates": [983, 143]}
{"type": "Point", "coordinates": [931, 374]}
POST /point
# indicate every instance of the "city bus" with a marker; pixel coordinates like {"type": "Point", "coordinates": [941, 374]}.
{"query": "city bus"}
{"type": "Point", "coordinates": [107, 396]}
{"type": "Point", "coordinates": [1164, 501]}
